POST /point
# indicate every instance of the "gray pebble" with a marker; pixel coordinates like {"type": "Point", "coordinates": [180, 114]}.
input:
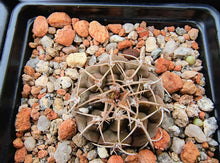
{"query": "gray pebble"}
{"type": "Point", "coordinates": [32, 62]}
{"type": "Point", "coordinates": [170, 46]}
{"type": "Point", "coordinates": [79, 140]}
{"type": "Point", "coordinates": [54, 126]}
{"type": "Point", "coordinates": [92, 60]}
{"type": "Point", "coordinates": [111, 46]}
{"type": "Point", "coordinates": [46, 42]}
{"type": "Point", "coordinates": [63, 82]}
{"type": "Point", "coordinates": [92, 154]}
{"type": "Point", "coordinates": [133, 35]}
{"type": "Point", "coordinates": [180, 31]}
{"type": "Point", "coordinates": [128, 27]}
{"type": "Point", "coordinates": [210, 125]}
{"type": "Point", "coordinates": [62, 154]}
{"type": "Point", "coordinates": [98, 160]}
{"type": "Point", "coordinates": [177, 145]}
{"type": "Point", "coordinates": [156, 53]}
{"type": "Point", "coordinates": [102, 152]}
{"type": "Point", "coordinates": [42, 67]}
{"type": "Point", "coordinates": [164, 158]}
{"type": "Point", "coordinates": [78, 39]}
{"type": "Point", "coordinates": [161, 41]}
{"type": "Point", "coordinates": [43, 123]}
{"type": "Point", "coordinates": [212, 142]}
{"type": "Point", "coordinates": [41, 81]}
{"type": "Point", "coordinates": [203, 156]}
{"type": "Point", "coordinates": [174, 130]}
{"type": "Point", "coordinates": [92, 49]}
{"type": "Point", "coordinates": [181, 118]}
{"type": "Point", "coordinates": [116, 38]}
{"type": "Point", "coordinates": [205, 104]}
{"type": "Point", "coordinates": [167, 121]}
{"type": "Point", "coordinates": [182, 52]}
{"type": "Point", "coordinates": [195, 132]}
{"type": "Point", "coordinates": [29, 143]}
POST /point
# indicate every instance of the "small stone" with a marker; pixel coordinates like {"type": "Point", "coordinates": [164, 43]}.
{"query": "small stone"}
{"type": "Point", "coordinates": [133, 35]}
{"type": "Point", "coordinates": [42, 81]}
{"type": "Point", "coordinates": [50, 87]}
{"type": "Point", "coordinates": [212, 142]}
{"type": "Point", "coordinates": [151, 44]}
{"type": "Point", "coordinates": [92, 60]}
{"type": "Point", "coordinates": [175, 130]}
{"type": "Point", "coordinates": [171, 82]}
{"type": "Point", "coordinates": [210, 126]}
{"type": "Point", "coordinates": [170, 46]}
{"type": "Point", "coordinates": [188, 74]}
{"type": "Point", "coordinates": [162, 65]}
{"type": "Point", "coordinates": [180, 31]}
{"type": "Point", "coordinates": [177, 145]}
{"type": "Point", "coordinates": [76, 59]}
{"type": "Point", "coordinates": [92, 49]}
{"type": "Point", "coordinates": [128, 27]}
{"type": "Point", "coordinates": [92, 155]}
{"type": "Point", "coordinates": [186, 99]}
{"type": "Point", "coordinates": [203, 156]}
{"type": "Point", "coordinates": [142, 32]}
{"type": "Point", "coordinates": [98, 32]}
{"type": "Point", "coordinates": [116, 38]}
{"type": "Point", "coordinates": [42, 154]}
{"type": "Point", "coordinates": [205, 104]}
{"type": "Point", "coordinates": [132, 52]}
{"type": "Point", "coordinates": [67, 129]}
{"type": "Point", "coordinates": [102, 152]}
{"type": "Point", "coordinates": [156, 53]}
{"type": "Point", "coordinates": [30, 144]}
{"type": "Point", "coordinates": [26, 90]}
{"type": "Point", "coordinates": [192, 110]}
{"type": "Point", "coordinates": [63, 151]}
{"type": "Point", "coordinates": [164, 158]}
{"type": "Point", "coordinates": [18, 143]}
{"type": "Point", "coordinates": [181, 118]}
{"type": "Point", "coordinates": [131, 158]}
{"type": "Point", "coordinates": [52, 30]}
{"type": "Point", "coordinates": [22, 122]}
{"type": "Point", "coordinates": [146, 156]}
{"type": "Point", "coordinates": [79, 140]}
{"type": "Point", "coordinates": [20, 154]}
{"type": "Point", "coordinates": [63, 82]}
{"type": "Point", "coordinates": [54, 126]}
{"type": "Point", "coordinates": [58, 106]}
{"type": "Point", "coordinates": [28, 158]}
{"type": "Point", "coordinates": [82, 28]}
{"type": "Point", "coordinates": [65, 36]}
{"type": "Point", "coordinates": [97, 160]}
{"type": "Point", "coordinates": [193, 33]}
{"type": "Point", "coordinates": [52, 52]}
{"type": "Point", "coordinates": [42, 67]}
{"type": "Point", "coordinates": [46, 42]}
{"type": "Point", "coordinates": [161, 41]}
{"type": "Point", "coordinates": [111, 46]}
{"type": "Point", "coordinates": [161, 143]}
{"type": "Point", "coordinates": [195, 132]}
{"type": "Point", "coordinates": [115, 158]}
{"type": "Point", "coordinates": [188, 87]}
{"type": "Point", "coordinates": [43, 123]}
{"type": "Point", "coordinates": [59, 19]}
{"type": "Point", "coordinates": [182, 52]}
{"type": "Point", "coordinates": [72, 73]}
{"type": "Point", "coordinates": [115, 28]}
{"type": "Point", "coordinates": [70, 49]}
{"type": "Point", "coordinates": [190, 153]}
{"type": "Point", "coordinates": [167, 122]}
{"type": "Point", "coordinates": [198, 122]}
{"type": "Point", "coordinates": [124, 44]}
{"type": "Point", "coordinates": [40, 26]}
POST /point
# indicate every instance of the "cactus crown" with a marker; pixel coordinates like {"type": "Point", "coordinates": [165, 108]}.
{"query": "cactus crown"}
{"type": "Point", "coordinates": [118, 102]}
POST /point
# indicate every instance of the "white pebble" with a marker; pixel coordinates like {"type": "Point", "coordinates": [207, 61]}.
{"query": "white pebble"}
{"type": "Point", "coordinates": [170, 46]}
{"type": "Point", "coordinates": [133, 35]}
{"type": "Point", "coordinates": [72, 73]}
{"type": "Point", "coordinates": [63, 82]}
{"type": "Point", "coordinates": [210, 125]}
{"type": "Point", "coordinates": [192, 110]}
{"type": "Point", "coordinates": [128, 27]}
{"type": "Point", "coordinates": [29, 144]}
{"type": "Point", "coordinates": [175, 130]}
{"type": "Point", "coordinates": [84, 110]}
{"type": "Point", "coordinates": [97, 160]}
{"type": "Point", "coordinates": [151, 44]}
{"type": "Point", "coordinates": [46, 42]}
{"type": "Point", "coordinates": [92, 49]}
{"type": "Point", "coordinates": [42, 67]}
{"type": "Point", "coordinates": [62, 154]}
{"type": "Point", "coordinates": [182, 52]}
{"type": "Point", "coordinates": [116, 38]}
{"type": "Point", "coordinates": [188, 74]}
{"type": "Point", "coordinates": [41, 81]}
{"type": "Point", "coordinates": [205, 104]}
{"type": "Point", "coordinates": [92, 155]}
{"type": "Point", "coordinates": [50, 87]}
{"type": "Point", "coordinates": [76, 59]}
{"type": "Point", "coordinates": [43, 123]}
{"type": "Point", "coordinates": [181, 118]}
{"type": "Point", "coordinates": [102, 152]}
{"type": "Point", "coordinates": [196, 132]}
{"type": "Point", "coordinates": [177, 145]}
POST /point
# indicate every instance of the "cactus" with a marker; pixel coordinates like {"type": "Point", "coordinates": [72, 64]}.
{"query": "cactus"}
{"type": "Point", "coordinates": [118, 102]}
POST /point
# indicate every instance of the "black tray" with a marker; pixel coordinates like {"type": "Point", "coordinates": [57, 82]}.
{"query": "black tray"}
{"type": "Point", "coordinates": [3, 24]}
{"type": "Point", "coordinates": [17, 52]}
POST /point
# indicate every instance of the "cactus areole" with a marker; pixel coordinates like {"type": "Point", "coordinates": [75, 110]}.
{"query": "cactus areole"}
{"type": "Point", "coordinates": [118, 102]}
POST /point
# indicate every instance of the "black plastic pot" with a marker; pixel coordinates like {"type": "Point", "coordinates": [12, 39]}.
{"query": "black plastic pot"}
{"type": "Point", "coordinates": [3, 25]}
{"type": "Point", "coordinates": [17, 52]}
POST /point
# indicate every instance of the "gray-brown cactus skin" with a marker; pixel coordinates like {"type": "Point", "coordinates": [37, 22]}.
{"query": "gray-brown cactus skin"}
{"type": "Point", "coordinates": [124, 101]}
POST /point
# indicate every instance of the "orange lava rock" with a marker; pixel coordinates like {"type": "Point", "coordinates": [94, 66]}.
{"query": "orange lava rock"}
{"type": "Point", "coordinates": [156, 32]}
{"type": "Point", "coordinates": [35, 90]}
{"type": "Point", "coordinates": [171, 82]}
{"type": "Point", "coordinates": [41, 95]}
{"type": "Point", "coordinates": [42, 154]}
{"type": "Point", "coordinates": [86, 43]}
{"type": "Point", "coordinates": [26, 90]}
{"type": "Point", "coordinates": [82, 28]}
{"type": "Point", "coordinates": [163, 33]}
{"type": "Point", "coordinates": [171, 29]}
{"type": "Point", "coordinates": [178, 68]}
{"type": "Point", "coordinates": [171, 66]}
{"type": "Point", "coordinates": [61, 92]}
{"type": "Point", "coordinates": [195, 45]}
{"type": "Point", "coordinates": [51, 159]}
{"type": "Point", "coordinates": [205, 145]}
{"type": "Point", "coordinates": [98, 31]}
{"type": "Point", "coordinates": [187, 28]}
{"type": "Point", "coordinates": [40, 27]}
{"type": "Point", "coordinates": [142, 32]}
{"type": "Point", "coordinates": [115, 28]}
{"type": "Point", "coordinates": [146, 156]}
{"type": "Point", "coordinates": [189, 153]}
{"type": "Point", "coordinates": [140, 44]}
{"type": "Point", "coordinates": [28, 158]}
{"type": "Point", "coordinates": [188, 88]}
{"type": "Point", "coordinates": [202, 115]}
{"type": "Point", "coordinates": [65, 36]}
{"type": "Point", "coordinates": [100, 51]}
{"type": "Point", "coordinates": [35, 114]}
{"type": "Point", "coordinates": [122, 32]}
{"type": "Point", "coordinates": [67, 129]}
{"type": "Point", "coordinates": [18, 143]}
{"type": "Point", "coordinates": [51, 115]}
{"type": "Point", "coordinates": [124, 44]}
{"type": "Point", "coordinates": [74, 20]}
{"type": "Point", "coordinates": [20, 154]}
{"type": "Point", "coordinates": [67, 96]}
{"type": "Point", "coordinates": [115, 159]}
{"type": "Point", "coordinates": [22, 122]}
{"type": "Point", "coordinates": [186, 36]}
{"type": "Point", "coordinates": [59, 19]}
{"type": "Point", "coordinates": [162, 65]}
{"type": "Point", "coordinates": [29, 70]}
{"type": "Point", "coordinates": [163, 142]}
{"type": "Point", "coordinates": [210, 160]}
{"type": "Point", "coordinates": [132, 159]}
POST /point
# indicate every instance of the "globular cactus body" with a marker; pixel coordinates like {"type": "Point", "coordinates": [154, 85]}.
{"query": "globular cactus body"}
{"type": "Point", "coordinates": [123, 101]}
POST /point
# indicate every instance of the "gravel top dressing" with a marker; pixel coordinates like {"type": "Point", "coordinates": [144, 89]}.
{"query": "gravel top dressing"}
{"type": "Point", "coordinates": [115, 93]}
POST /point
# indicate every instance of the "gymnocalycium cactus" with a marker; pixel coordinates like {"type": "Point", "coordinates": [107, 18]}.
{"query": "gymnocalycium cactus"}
{"type": "Point", "coordinates": [118, 102]}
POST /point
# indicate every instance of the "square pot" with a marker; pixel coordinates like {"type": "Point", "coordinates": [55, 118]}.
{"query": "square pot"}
{"type": "Point", "coordinates": [203, 17]}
